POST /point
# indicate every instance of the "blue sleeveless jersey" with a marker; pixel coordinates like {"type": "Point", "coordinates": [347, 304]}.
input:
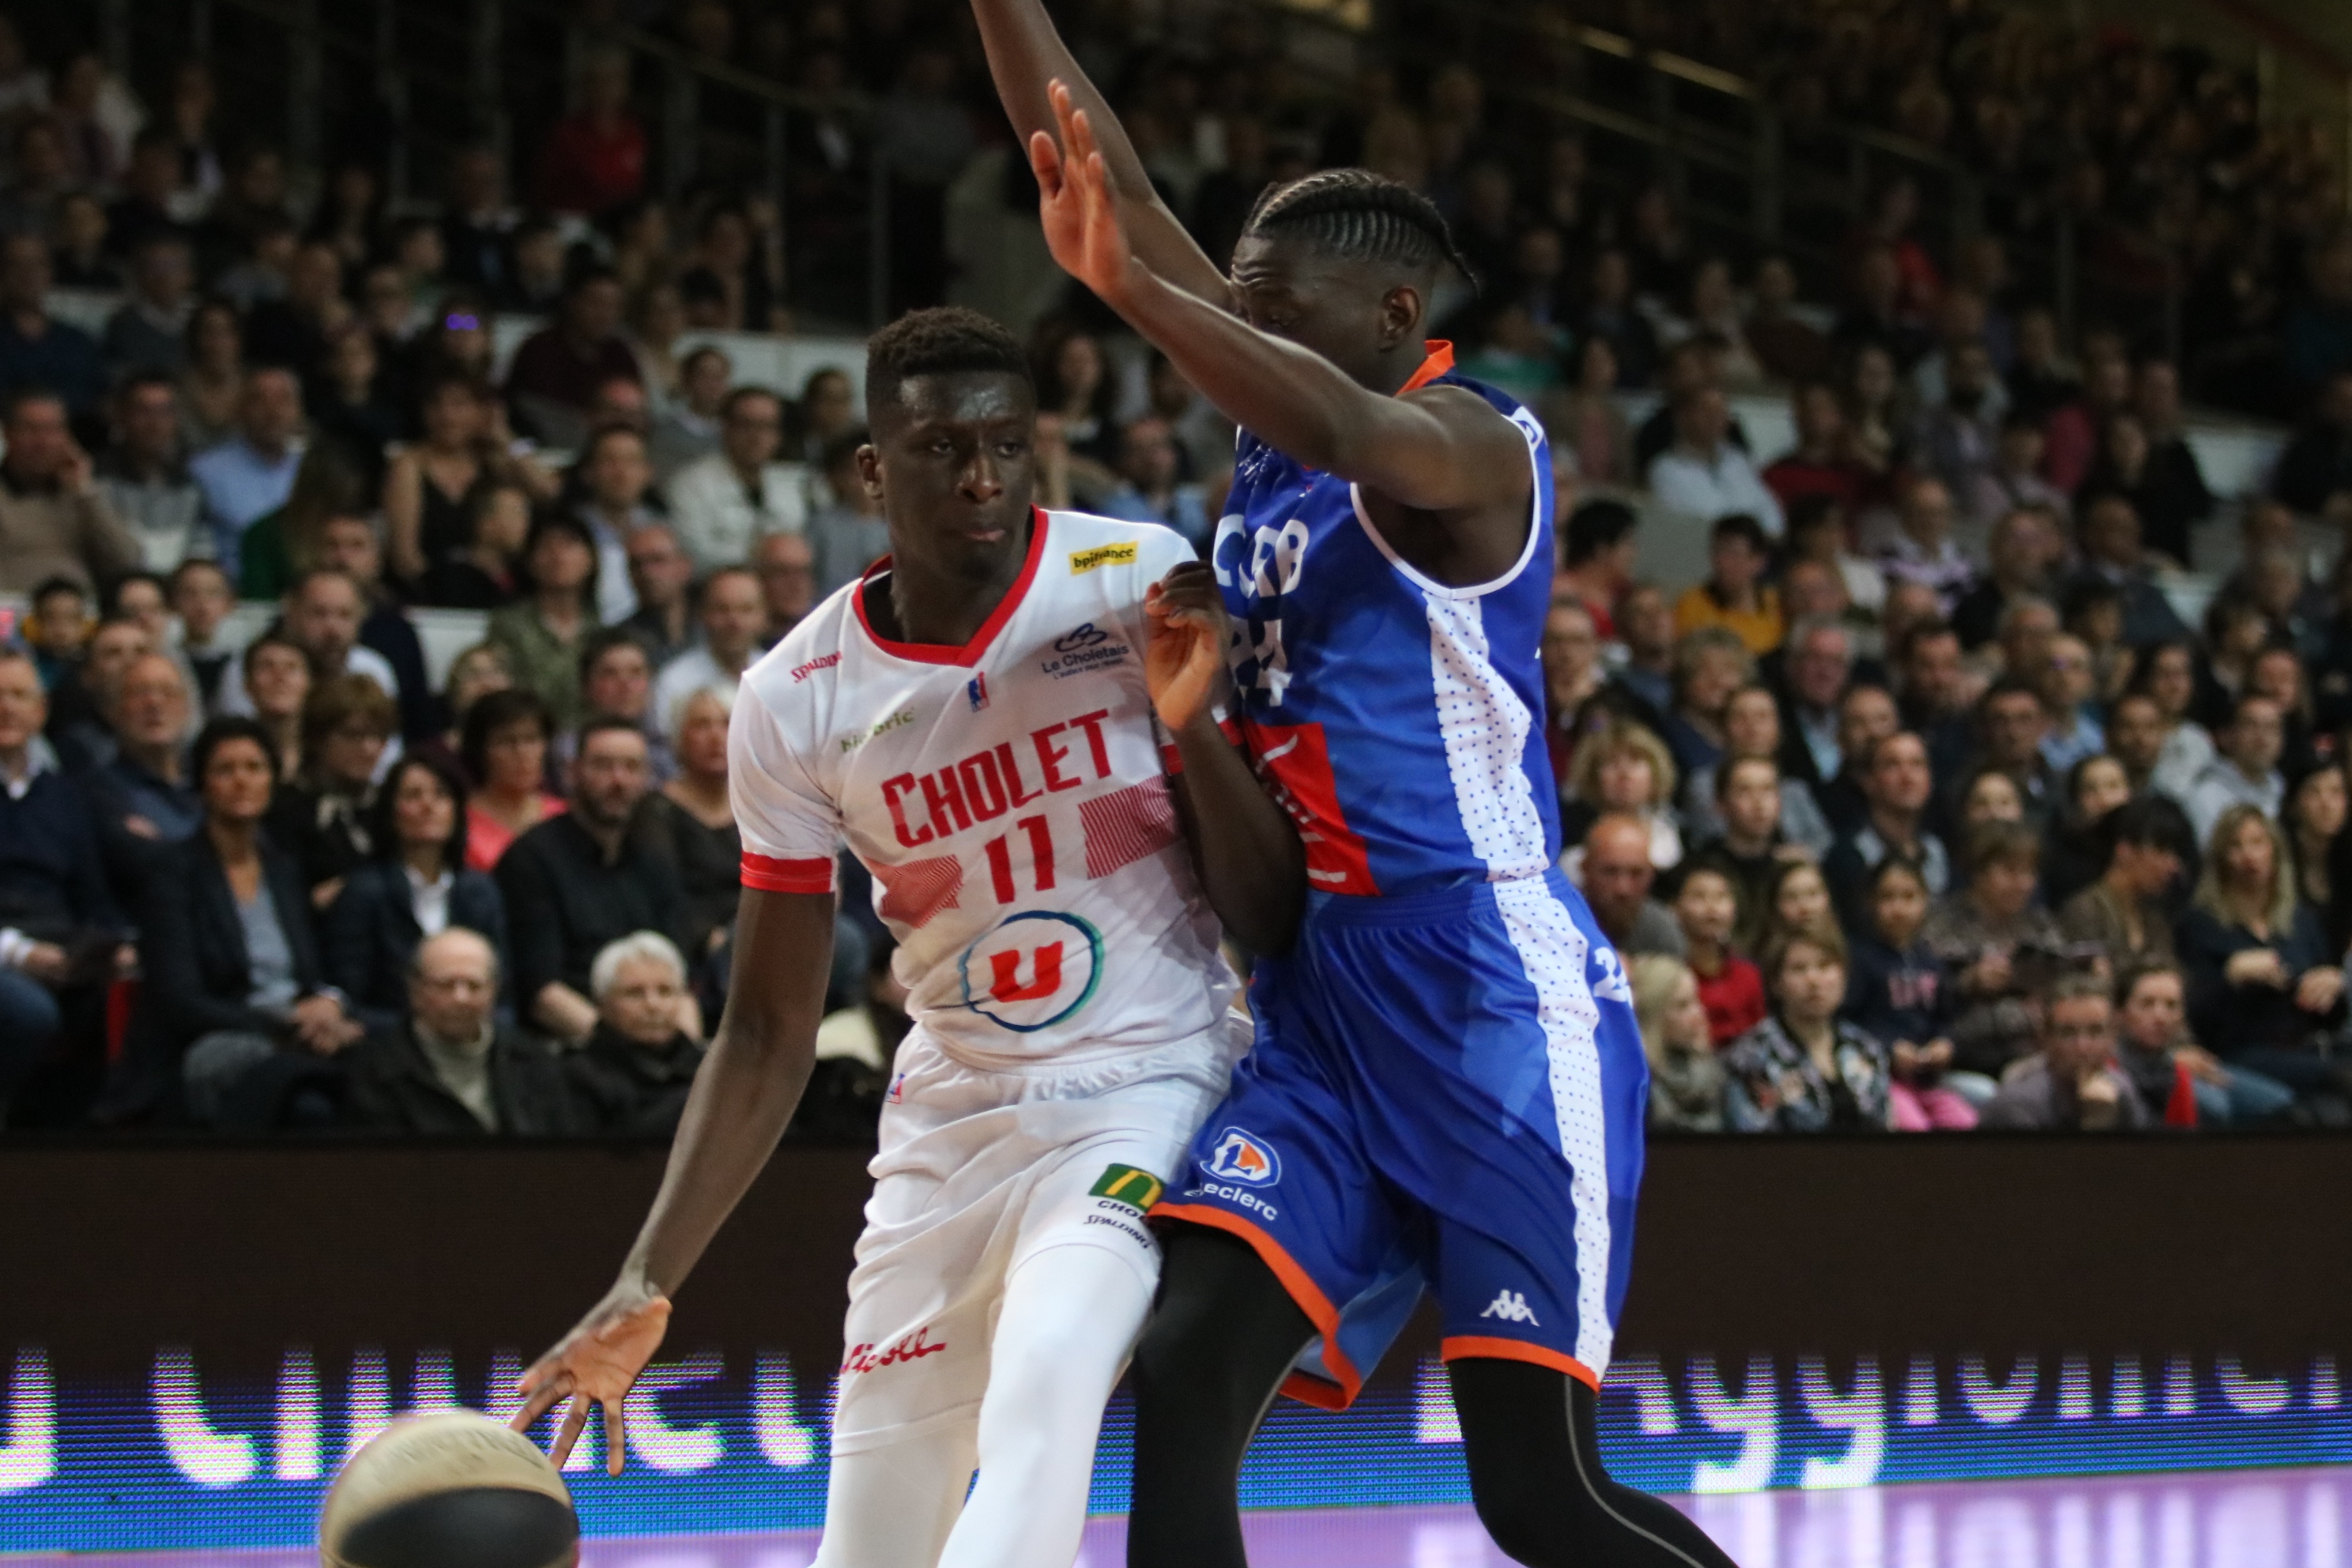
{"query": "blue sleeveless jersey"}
{"type": "Point", "coordinates": [1401, 717]}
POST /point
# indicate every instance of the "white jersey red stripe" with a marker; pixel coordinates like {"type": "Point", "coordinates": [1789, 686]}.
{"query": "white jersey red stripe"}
{"type": "Point", "coordinates": [1009, 798]}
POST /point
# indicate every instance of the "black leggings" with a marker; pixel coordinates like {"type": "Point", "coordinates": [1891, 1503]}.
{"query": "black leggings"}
{"type": "Point", "coordinates": [1223, 1336]}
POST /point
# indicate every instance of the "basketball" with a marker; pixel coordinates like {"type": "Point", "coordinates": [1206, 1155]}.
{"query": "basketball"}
{"type": "Point", "coordinates": [448, 1490]}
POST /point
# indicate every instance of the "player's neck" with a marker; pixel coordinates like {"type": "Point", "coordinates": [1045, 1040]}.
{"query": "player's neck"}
{"type": "Point", "coordinates": [942, 609]}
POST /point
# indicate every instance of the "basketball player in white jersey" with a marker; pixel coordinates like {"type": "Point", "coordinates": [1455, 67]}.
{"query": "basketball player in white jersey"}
{"type": "Point", "coordinates": [1008, 721]}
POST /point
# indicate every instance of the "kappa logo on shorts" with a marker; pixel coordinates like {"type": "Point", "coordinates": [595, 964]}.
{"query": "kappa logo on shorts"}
{"type": "Point", "coordinates": [1240, 1157]}
{"type": "Point", "coordinates": [1611, 987]}
{"type": "Point", "coordinates": [913, 1347]}
{"type": "Point", "coordinates": [1511, 1307]}
{"type": "Point", "coordinates": [1139, 1190]}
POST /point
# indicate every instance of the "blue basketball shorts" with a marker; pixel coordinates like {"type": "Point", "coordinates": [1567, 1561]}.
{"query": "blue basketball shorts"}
{"type": "Point", "coordinates": [1446, 1091]}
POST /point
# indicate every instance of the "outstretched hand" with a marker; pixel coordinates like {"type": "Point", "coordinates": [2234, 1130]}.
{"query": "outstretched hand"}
{"type": "Point", "coordinates": [595, 1364]}
{"type": "Point", "coordinates": [1075, 202]}
{"type": "Point", "coordinates": [1186, 655]}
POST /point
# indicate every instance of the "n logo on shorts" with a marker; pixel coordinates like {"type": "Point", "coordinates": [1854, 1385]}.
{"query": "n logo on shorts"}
{"type": "Point", "coordinates": [1139, 1190]}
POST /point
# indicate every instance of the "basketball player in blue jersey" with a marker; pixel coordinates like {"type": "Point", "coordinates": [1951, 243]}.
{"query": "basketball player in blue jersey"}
{"type": "Point", "coordinates": [1447, 1087]}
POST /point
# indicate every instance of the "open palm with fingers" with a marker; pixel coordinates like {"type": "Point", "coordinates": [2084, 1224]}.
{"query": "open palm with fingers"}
{"type": "Point", "coordinates": [1185, 658]}
{"type": "Point", "coordinates": [593, 1366]}
{"type": "Point", "coordinates": [1074, 201]}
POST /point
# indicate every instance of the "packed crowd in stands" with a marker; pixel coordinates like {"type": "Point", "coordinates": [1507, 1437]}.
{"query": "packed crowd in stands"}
{"type": "Point", "coordinates": [1925, 810]}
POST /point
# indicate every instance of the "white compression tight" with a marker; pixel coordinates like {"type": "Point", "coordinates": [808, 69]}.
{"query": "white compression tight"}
{"type": "Point", "coordinates": [1068, 1324]}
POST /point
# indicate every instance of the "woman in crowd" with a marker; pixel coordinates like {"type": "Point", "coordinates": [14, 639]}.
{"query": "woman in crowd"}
{"type": "Point", "coordinates": [2263, 985]}
{"type": "Point", "coordinates": [1990, 795]}
{"type": "Point", "coordinates": [285, 541]}
{"type": "Point", "coordinates": [225, 946]}
{"type": "Point", "coordinates": [429, 489]}
{"type": "Point", "coordinates": [1878, 413]}
{"type": "Point", "coordinates": [1751, 728]}
{"type": "Point", "coordinates": [323, 816]}
{"type": "Point", "coordinates": [1803, 1070]}
{"type": "Point", "coordinates": [826, 410]}
{"type": "Point", "coordinates": [506, 734]}
{"type": "Point", "coordinates": [487, 572]}
{"type": "Point", "coordinates": [1624, 768]}
{"type": "Point", "coordinates": [1685, 1078]}
{"type": "Point", "coordinates": [1796, 900]}
{"type": "Point", "coordinates": [2313, 818]}
{"type": "Point", "coordinates": [1730, 988]}
{"type": "Point", "coordinates": [1073, 383]}
{"type": "Point", "coordinates": [415, 884]}
{"type": "Point", "coordinates": [1898, 994]}
{"type": "Point", "coordinates": [457, 341]}
{"type": "Point", "coordinates": [1999, 949]}
{"type": "Point", "coordinates": [473, 675]}
{"type": "Point", "coordinates": [1586, 423]}
{"type": "Point", "coordinates": [693, 810]}
{"type": "Point", "coordinates": [2153, 1047]}
{"type": "Point", "coordinates": [2165, 673]}
{"type": "Point", "coordinates": [277, 683]}
{"type": "Point", "coordinates": [656, 322]}
{"type": "Point", "coordinates": [1710, 664]}
{"type": "Point", "coordinates": [540, 635]}
{"type": "Point", "coordinates": [2077, 848]}
{"type": "Point", "coordinates": [213, 381]}
{"type": "Point", "coordinates": [634, 1071]}
{"type": "Point", "coordinates": [2170, 497]}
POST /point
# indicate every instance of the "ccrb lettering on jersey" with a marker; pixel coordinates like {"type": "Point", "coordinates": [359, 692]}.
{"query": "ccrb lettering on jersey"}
{"type": "Point", "coordinates": [1009, 798]}
{"type": "Point", "coordinates": [1402, 717]}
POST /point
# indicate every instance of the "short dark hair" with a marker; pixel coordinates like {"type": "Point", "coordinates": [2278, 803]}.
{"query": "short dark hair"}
{"type": "Point", "coordinates": [585, 274]}
{"type": "Point", "coordinates": [1362, 217]}
{"type": "Point", "coordinates": [2129, 978]}
{"type": "Point", "coordinates": [1806, 514]}
{"type": "Point", "coordinates": [1893, 865]}
{"type": "Point", "coordinates": [137, 574]}
{"type": "Point", "coordinates": [496, 711]}
{"type": "Point", "coordinates": [197, 563]}
{"type": "Point", "coordinates": [607, 724]}
{"type": "Point", "coordinates": [61, 584]}
{"type": "Point", "coordinates": [1739, 525]}
{"type": "Point", "coordinates": [739, 395]}
{"type": "Point", "coordinates": [604, 640]}
{"type": "Point", "coordinates": [2007, 686]}
{"type": "Point", "coordinates": [381, 823]}
{"type": "Point", "coordinates": [948, 339]}
{"type": "Point", "coordinates": [2148, 822]}
{"type": "Point", "coordinates": [1922, 631]}
{"type": "Point", "coordinates": [219, 732]}
{"type": "Point", "coordinates": [2006, 843]}
{"type": "Point", "coordinates": [1728, 769]}
{"type": "Point", "coordinates": [271, 639]}
{"type": "Point", "coordinates": [1595, 526]}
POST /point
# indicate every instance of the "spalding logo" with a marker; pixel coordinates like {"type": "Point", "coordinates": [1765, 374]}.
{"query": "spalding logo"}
{"type": "Point", "coordinates": [1241, 1158]}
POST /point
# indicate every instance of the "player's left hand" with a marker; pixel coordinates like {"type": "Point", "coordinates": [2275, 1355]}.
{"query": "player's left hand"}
{"type": "Point", "coordinates": [1074, 201]}
{"type": "Point", "coordinates": [1186, 656]}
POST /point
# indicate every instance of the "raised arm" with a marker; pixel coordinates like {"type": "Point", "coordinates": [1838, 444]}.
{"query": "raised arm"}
{"type": "Point", "coordinates": [1439, 449]}
{"type": "Point", "coordinates": [1025, 56]}
{"type": "Point", "coordinates": [742, 1098]}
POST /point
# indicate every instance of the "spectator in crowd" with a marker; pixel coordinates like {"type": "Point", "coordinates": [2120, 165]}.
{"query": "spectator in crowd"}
{"type": "Point", "coordinates": [1866, 715]}
{"type": "Point", "coordinates": [1749, 851]}
{"type": "Point", "coordinates": [557, 370]}
{"type": "Point", "coordinates": [1817, 535]}
{"type": "Point", "coordinates": [211, 383]}
{"type": "Point", "coordinates": [1704, 474]}
{"type": "Point", "coordinates": [1645, 680]}
{"type": "Point", "coordinates": [1789, 347]}
{"type": "Point", "coordinates": [661, 577]}
{"type": "Point", "coordinates": [1734, 596]}
{"type": "Point", "coordinates": [324, 611]}
{"type": "Point", "coordinates": [594, 158]}
{"type": "Point", "coordinates": [141, 797]}
{"type": "Point", "coordinates": [2066, 681]}
{"type": "Point", "coordinates": [1897, 994]}
{"type": "Point", "coordinates": [474, 674]}
{"type": "Point", "coordinates": [616, 682]}
{"type": "Point", "coordinates": [415, 884]}
{"type": "Point", "coordinates": [1148, 490]}
{"type": "Point", "coordinates": [785, 564]}
{"type": "Point", "coordinates": [1622, 770]}
{"type": "Point", "coordinates": [54, 520]}
{"type": "Point", "coordinates": [633, 1075]}
{"type": "Point", "coordinates": [721, 504]}
{"type": "Point", "coordinates": [1611, 316]}
{"type": "Point", "coordinates": [2315, 472]}
{"type": "Point", "coordinates": [613, 476]}
{"type": "Point", "coordinates": [2126, 914]}
{"type": "Point", "coordinates": [1597, 556]}
{"type": "Point", "coordinates": [2071, 1084]}
{"type": "Point", "coordinates": [1817, 664]}
{"type": "Point", "coordinates": [252, 473]}
{"type": "Point", "coordinates": [2135, 738]}
{"type": "Point", "coordinates": [2075, 848]}
{"type": "Point", "coordinates": [1999, 951]}
{"type": "Point", "coordinates": [2316, 332]}
{"type": "Point", "coordinates": [36, 349]}
{"type": "Point", "coordinates": [1802, 1069]}
{"type": "Point", "coordinates": [2245, 770]}
{"type": "Point", "coordinates": [848, 532]}
{"type": "Point", "coordinates": [693, 809]}
{"type": "Point", "coordinates": [1570, 657]}
{"type": "Point", "coordinates": [1796, 898]}
{"type": "Point", "coordinates": [324, 817]}
{"type": "Point", "coordinates": [148, 334]}
{"type": "Point", "coordinates": [2155, 1052]}
{"type": "Point", "coordinates": [733, 616]}
{"type": "Point", "coordinates": [585, 880]}
{"type": "Point", "coordinates": [2012, 480]}
{"type": "Point", "coordinates": [1957, 439]}
{"type": "Point", "coordinates": [2111, 552]}
{"type": "Point", "coordinates": [81, 709]}
{"type": "Point", "coordinates": [1694, 364]}
{"type": "Point", "coordinates": [202, 599]}
{"type": "Point", "coordinates": [485, 573]}
{"type": "Point", "coordinates": [507, 736]}
{"type": "Point", "coordinates": [2313, 822]}
{"type": "Point", "coordinates": [1588, 428]}
{"type": "Point", "coordinates": [349, 544]}
{"type": "Point", "coordinates": [429, 486]}
{"type": "Point", "coordinates": [1729, 987]}
{"type": "Point", "coordinates": [1921, 550]}
{"type": "Point", "coordinates": [2262, 984]}
{"type": "Point", "coordinates": [1709, 665]}
{"type": "Point", "coordinates": [231, 965]}
{"type": "Point", "coordinates": [1895, 784]}
{"type": "Point", "coordinates": [293, 329]}
{"type": "Point", "coordinates": [476, 220]}
{"type": "Point", "coordinates": [2166, 675]}
{"type": "Point", "coordinates": [1685, 1077]}
{"type": "Point", "coordinates": [1822, 464]}
{"type": "Point", "coordinates": [58, 628]}
{"type": "Point", "coordinates": [689, 426]}
{"type": "Point", "coordinates": [2021, 549]}
{"type": "Point", "coordinates": [1618, 877]}
{"type": "Point", "coordinates": [143, 479]}
{"type": "Point", "coordinates": [59, 924]}
{"type": "Point", "coordinates": [1751, 728]}
{"type": "Point", "coordinates": [449, 1068]}
{"type": "Point", "coordinates": [540, 636]}
{"type": "Point", "coordinates": [2011, 722]}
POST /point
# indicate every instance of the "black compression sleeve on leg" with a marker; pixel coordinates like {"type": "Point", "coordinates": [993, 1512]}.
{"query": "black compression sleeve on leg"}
{"type": "Point", "coordinates": [1223, 1335]}
{"type": "Point", "coordinates": [1532, 1439]}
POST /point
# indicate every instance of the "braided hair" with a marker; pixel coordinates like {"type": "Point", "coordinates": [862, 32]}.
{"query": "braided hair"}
{"type": "Point", "coordinates": [1362, 215]}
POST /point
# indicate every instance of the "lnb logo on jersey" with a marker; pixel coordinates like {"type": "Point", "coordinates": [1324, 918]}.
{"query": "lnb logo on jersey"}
{"type": "Point", "coordinates": [1240, 1157]}
{"type": "Point", "coordinates": [1034, 970]}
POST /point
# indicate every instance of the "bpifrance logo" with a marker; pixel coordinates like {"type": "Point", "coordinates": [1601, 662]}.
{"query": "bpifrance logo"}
{"type": "Point", "coordinates": [1240, 1157]}
{"type": "Point", "coordinates": [1034, 970]}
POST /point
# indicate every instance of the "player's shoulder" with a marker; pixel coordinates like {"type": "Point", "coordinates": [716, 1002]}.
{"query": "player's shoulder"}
{"type": "Point", "coordinates": [808, 654]}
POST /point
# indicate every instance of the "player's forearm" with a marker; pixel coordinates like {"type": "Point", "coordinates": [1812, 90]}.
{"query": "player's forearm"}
{"type": "Point", "coordinates": [1252, 869]}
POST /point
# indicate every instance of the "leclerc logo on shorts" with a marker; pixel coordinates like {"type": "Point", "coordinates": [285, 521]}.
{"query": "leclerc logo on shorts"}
{"type": "Point", "coordinates": [1239, 1157]}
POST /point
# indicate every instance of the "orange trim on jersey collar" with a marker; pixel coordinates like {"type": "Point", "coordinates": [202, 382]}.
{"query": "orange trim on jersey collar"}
{"type": "Point", "coordinates": [1439, 361]}
{"type": "Point", "coordinates": [970, 653]}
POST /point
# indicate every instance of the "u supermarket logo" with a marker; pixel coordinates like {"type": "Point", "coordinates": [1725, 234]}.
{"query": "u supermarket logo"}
{"type": "Point", "coordinates": [1239, 1157]}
